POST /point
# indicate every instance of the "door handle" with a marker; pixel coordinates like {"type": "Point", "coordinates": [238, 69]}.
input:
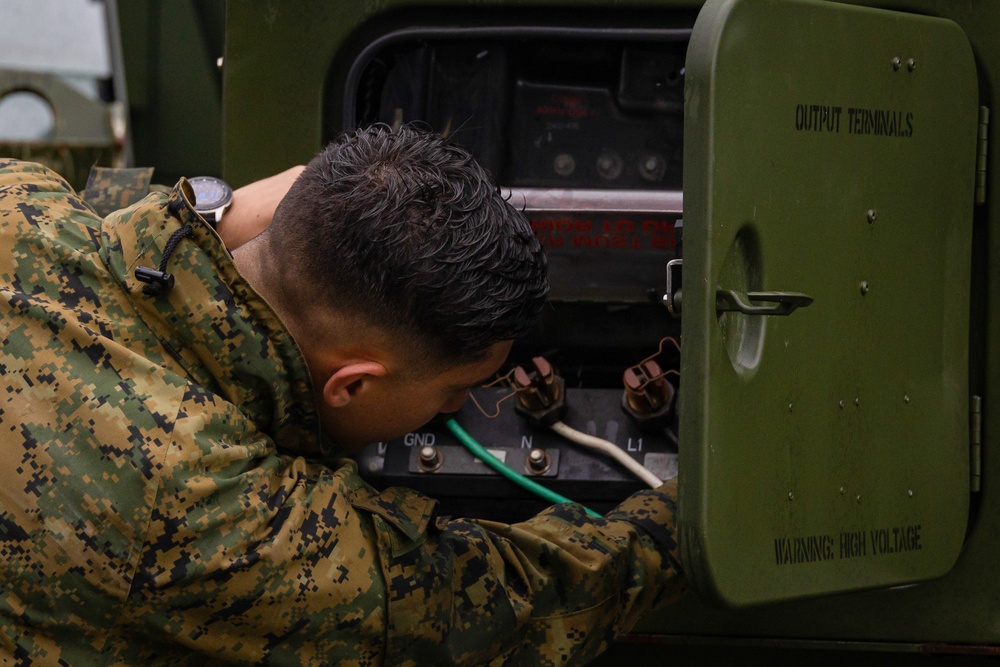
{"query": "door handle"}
{"type": "Point", "coordinates": [778, 303]}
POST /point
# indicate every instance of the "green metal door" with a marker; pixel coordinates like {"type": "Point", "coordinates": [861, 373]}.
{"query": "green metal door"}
{"type": "Point", "coordinates": [830, 156]}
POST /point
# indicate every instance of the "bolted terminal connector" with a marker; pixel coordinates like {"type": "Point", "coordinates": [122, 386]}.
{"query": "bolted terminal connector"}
{"type": "Point", "coordinates": [648, 397]}
{"type": "Point", "coordinates": [429, 458]}
{"type": "Point", "coordinates": [537, 462]}
{"type": "Point", "coordinates": [541, 395]}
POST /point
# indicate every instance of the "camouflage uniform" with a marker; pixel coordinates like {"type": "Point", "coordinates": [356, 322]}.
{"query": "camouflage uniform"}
{"type": "Point", "coordinates": [148, 516]}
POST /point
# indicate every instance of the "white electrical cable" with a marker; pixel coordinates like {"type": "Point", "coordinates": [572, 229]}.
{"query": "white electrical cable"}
{"type": "Point", "coordinates": [608, 448]}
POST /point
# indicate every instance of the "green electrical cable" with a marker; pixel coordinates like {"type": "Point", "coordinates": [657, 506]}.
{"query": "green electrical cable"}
{"type": "Point", "coordinates": [481, 452]}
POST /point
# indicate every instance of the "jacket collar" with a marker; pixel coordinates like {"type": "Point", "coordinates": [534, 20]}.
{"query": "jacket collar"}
{"type": "Point", "coordinates": [211, 321]}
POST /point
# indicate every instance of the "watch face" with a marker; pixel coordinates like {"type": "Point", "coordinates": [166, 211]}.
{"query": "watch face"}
{"type": "Point", "coordinates": [210, 193]}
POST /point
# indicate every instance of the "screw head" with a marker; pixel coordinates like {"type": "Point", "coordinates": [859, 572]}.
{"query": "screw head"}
{"type": "Point", "coordinates": [911, 64]}
{"type": "Point", "coordinates": [896, 63]}
{"type": "Point", "coordinates": [864, 287]}
{"type": "Point", "coordinates": [872, 214]}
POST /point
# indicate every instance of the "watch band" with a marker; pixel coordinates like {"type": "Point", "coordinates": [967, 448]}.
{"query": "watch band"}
{"type": "Point", "coordinates": [214, 216]}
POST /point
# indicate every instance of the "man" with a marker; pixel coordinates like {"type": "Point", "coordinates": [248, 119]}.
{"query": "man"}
{"type": "Point", "coordinates": [157, 502]}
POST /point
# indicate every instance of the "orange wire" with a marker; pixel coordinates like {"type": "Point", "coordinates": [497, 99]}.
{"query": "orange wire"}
{"type": "Point", "coordinates": [502, 379]}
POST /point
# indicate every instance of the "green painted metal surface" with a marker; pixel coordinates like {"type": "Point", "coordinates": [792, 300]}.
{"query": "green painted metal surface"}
{"type": "Point", "coordinates": [829, 150]}
{"type": "Point", "coordinates": [282, 88]}
{"type": "Point", "coordinates": [170, 50]}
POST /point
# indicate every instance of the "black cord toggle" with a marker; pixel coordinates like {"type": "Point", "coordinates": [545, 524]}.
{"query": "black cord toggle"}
{"type": "Point", "coordinates": [159, 281]}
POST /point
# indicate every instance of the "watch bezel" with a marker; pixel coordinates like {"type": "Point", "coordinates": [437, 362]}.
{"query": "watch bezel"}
{"type": "Point", "coordinates": [227, 196]}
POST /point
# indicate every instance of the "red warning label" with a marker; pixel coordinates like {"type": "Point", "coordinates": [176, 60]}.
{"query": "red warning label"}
{"type": "Point", "coordinates": [625, 233]}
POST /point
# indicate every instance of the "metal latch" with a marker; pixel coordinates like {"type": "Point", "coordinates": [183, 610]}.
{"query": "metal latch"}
{"type": "Point", "coordinates": [771, 303]}
{"type": "Point", "coordinates": [784, 303]}
{"type": "Point", "coordinates": [672, 297]}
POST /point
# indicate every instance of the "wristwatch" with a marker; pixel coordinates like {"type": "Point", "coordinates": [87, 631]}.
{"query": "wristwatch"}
{"type": "Point", "coordinates": [212, 196]}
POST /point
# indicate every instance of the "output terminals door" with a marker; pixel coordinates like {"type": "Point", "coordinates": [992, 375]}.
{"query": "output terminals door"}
{"type": "Point", "coordinates": [829, 163]}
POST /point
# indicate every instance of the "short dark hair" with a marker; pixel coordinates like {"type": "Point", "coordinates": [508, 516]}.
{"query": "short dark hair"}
{"type": "Point", "coordinates": [410, 233]}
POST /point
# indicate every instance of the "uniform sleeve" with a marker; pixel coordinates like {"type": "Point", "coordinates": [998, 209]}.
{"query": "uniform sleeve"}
{"type": "Point", "coordinates": [553, 590]}
{"type": "Point", "coordinates": [252, 556]}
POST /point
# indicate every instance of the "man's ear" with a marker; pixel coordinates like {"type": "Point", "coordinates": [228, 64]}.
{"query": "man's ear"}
{"type": "Point", "coordinates": [345, 382]}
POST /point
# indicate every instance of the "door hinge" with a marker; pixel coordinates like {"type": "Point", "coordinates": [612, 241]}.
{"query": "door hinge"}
{"type": "Point", "coordinates": [981, 144]}
{"type": "Point", "coordinates": [975, 442]}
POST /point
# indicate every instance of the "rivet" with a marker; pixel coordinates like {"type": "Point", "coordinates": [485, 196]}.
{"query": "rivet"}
{"type": "Point", "coordinates": [906, 399]}
{"type": "Point", "coordinates": [859, 499]}
{"type": "Point", "coordinates": [864, 287]}
{"type": "Point", "coordinates": [789, 407]}
{"type": "Point", "coordinates": [857, 401]}
{"type": "Point", "coordinates": [841, 404]}
{"type": "Point", "coordinates": [791, 496]}
{"type": "Point", "coordinates": [911, 64]}
{"type": "Point", "coordinates": [910, 493]}
{"type": "Point", "coordinates": [841, 490]}
{"type": "Point", "coordinates": [871, 215]}
{"type": "Point", "coordinates": [896, 63]}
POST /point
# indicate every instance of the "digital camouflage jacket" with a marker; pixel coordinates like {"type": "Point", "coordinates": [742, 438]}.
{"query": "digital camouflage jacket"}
{"type": "Point", "coordinates": [157, 504]}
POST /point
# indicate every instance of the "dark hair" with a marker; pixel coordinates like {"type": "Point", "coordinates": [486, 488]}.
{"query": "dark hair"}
{"type": "Point", "coordinates": [410, 233]}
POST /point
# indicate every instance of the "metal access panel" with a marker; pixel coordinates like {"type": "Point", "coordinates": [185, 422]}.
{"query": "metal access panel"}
{"type": "Point", "coordinates": [829, 176]}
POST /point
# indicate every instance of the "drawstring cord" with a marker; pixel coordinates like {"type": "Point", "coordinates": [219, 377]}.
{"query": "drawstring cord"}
{"type": "Point", "coordinates": [159, 281]}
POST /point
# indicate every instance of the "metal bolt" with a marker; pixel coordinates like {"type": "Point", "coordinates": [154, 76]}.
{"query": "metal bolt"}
{"type": "Point", "coordinates": [871, 215]}
{"type": "Point", "coordinates": [864, 287]}
{"type": "Point", "coordinates": [652, 167]}
{"type": "Point", "coordinates": [429, 458]}
{"type": "Point", "coordinates": [538, 461]}
{"type": "Point", "coordinates": [564, 164]}
{"type": "Point", "coordinates": [609, 165]}
{"type": "Point", "coordinates": [911, 64]}
{"type": "Point", "coordinates": [896, 63]}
